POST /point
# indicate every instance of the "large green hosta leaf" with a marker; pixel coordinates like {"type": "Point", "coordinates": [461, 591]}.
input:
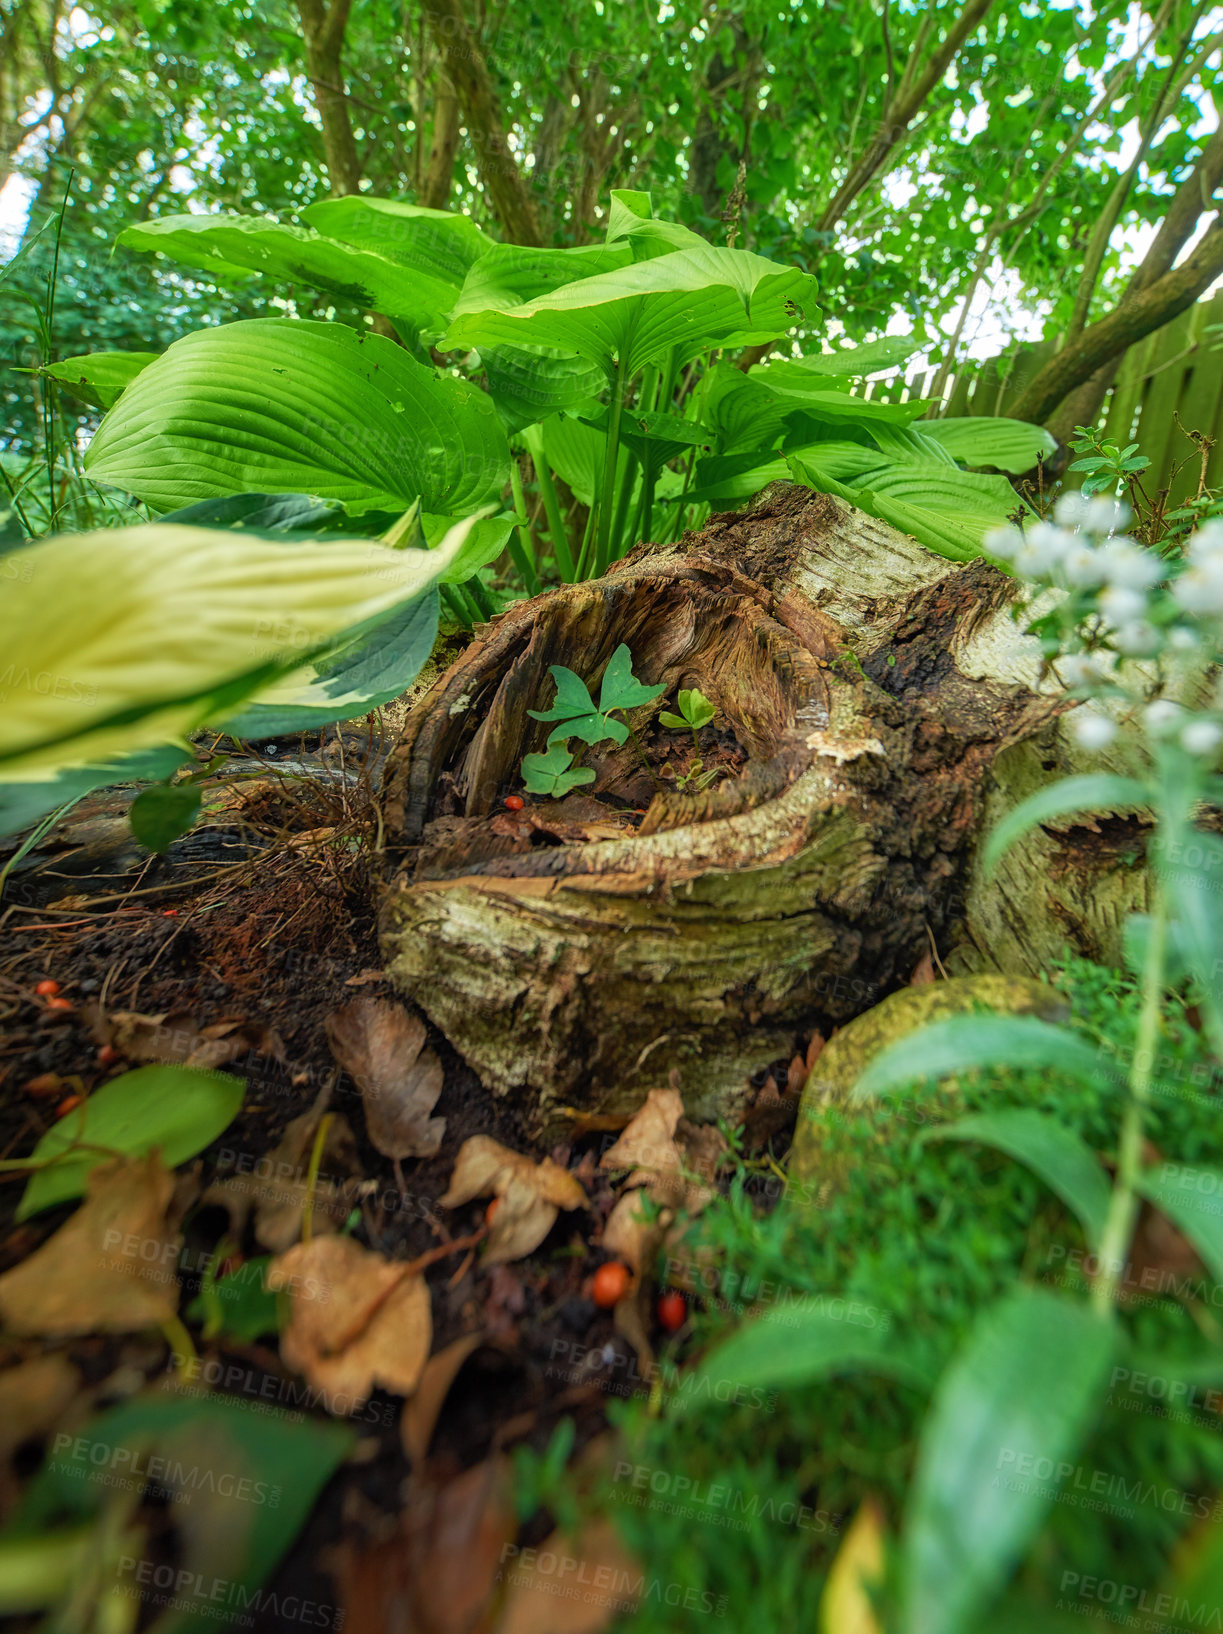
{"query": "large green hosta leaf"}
{"type": "Point", "coordinates": [233, 247]}
{"type": "Point", "coordinates": [130, 637]}
{"type": "Point", "coordinates": [99, 377]}
{"type": "Point", "coordinates": [947, 510]}
{"type": "Point", "coordinates": [274, 405]}
{"type": "Point", "coordinates": [528, 383]}
{"type": "Point", "coordinates": [371, 670]}
{"type": "Point", "coordinates": [1008, 445]}
{"type": "Point", "coordinates": [679, 304]}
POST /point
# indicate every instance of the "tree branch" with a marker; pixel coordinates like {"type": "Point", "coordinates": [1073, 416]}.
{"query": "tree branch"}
{"type": "Point", "coordinates": [1150, 308]}
{"type": "Point", "coordinates": [914, 88]}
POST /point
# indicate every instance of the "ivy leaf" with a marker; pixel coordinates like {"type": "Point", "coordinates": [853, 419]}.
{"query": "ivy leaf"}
{"type": "Point", "coordinates": [572, 697]}
{"type": "Point", "coordinates": [554, 773]}
{"type": "Point", "coordinates": [621, 689]}
{"type": "Point", "coordinates": [163, 813]}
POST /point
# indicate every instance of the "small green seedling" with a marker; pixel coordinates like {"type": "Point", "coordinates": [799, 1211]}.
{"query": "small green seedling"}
{"type": "Point", "coordinates": [695, 711]}
{"type": "Point", "coordinates": [554, 772]}
{"type": "Point", "coordinates": [575, 708]}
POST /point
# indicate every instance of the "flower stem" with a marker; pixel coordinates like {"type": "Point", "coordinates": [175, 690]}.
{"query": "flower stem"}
{"type": "Point", "coordinates": [1123, 1206]}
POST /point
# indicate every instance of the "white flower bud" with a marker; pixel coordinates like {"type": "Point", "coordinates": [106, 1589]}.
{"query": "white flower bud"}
{"type": "Point", "coordinates": [1093, 730]}
{"type": "Point", "coordinates": [1003, 543]}
{"type": "Point", "coordinates": [1161, 716]}
{"type": "Point", "coordinates": [1127, 564]}
{"type": "Point", "coordinates": [1121, 605]}
{"type": "Point", "coordinates": [1136, 638]}
{"type": "Point", "coordinates": [1202, 737]}
{"type": "Point", "coordinates": [1082, 567]}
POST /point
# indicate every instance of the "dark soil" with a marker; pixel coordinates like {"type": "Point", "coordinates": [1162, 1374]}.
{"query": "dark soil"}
{"type": "Point", "coordinates": [240, 924]}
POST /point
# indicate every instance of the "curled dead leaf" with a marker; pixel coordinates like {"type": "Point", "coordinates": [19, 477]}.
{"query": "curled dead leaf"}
{"type": "Point", "coordinates": [530, 1195]}
{"type": "Point", "coordinates": [381, 1045]}
{"type": "Point", "coordinates": [111, 1268]}
{"type": "Point", "coordinates": [174, 1036]}
{"type": "Point", "coordinates": [275, 1188]}
{"type": "Point", "coordinates": [420, 1414]}
{"type": "Point", "coordinates": [356, 1321]}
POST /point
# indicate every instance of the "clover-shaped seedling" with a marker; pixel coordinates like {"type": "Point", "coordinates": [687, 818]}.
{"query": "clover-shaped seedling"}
{"type": "Point", "coordinates": [576, 711]}
{"type": "Point", "coordinates": [695, 711]}
{"type": "Point", "coordinates": [554, 773]}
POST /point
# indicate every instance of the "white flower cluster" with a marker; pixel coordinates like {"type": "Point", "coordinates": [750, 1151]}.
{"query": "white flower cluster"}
{"type": "Point", "coordinates": [1199, 589]}
{"type": "Point", "coordinates": [1084, 549]}
{"type": "Point", "coordinates": [1081, 549]}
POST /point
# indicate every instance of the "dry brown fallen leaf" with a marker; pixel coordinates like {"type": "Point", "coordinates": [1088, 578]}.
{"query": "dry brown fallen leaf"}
{"type": "Point", "coordinates": [175, 1037]}
{"type": "Point", "coordinates": [563, 1587]}
{"type": "Point", "coordinates": [381, 1045]}
{"type": "Point", "coordinates": [529, 1195]}
{"type": "Point", "coordinates": [420, 1414]}
{"type": "Point", "coordinates": [648, 1141]}
{"type": "Point", "coordinates": [111, 1268]}
{"type": "Point", "coordinates": [34, 1397]}
{"type": "Point", "coordinates": [275, 1187]}
{"type": "Point", "coordinates": [667, 1156]}
{"type": "Point", "coordinates": [356, 1320]}
{"type": "Point", "coordinates": [437, 1571]}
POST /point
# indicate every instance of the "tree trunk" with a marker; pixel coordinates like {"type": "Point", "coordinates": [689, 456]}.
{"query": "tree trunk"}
{"type": "Point", "coordinates": [884, 699]}
{"type": "Point", "coordinates": [468, 73]}
{"type": "Point", "coordinates": [439, 177]}
{"type": "Point", "coordinates": [323, 27]}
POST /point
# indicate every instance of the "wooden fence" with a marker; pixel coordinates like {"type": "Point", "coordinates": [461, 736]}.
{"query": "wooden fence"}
{"type": "Point", "coordinates": [1176, 370]}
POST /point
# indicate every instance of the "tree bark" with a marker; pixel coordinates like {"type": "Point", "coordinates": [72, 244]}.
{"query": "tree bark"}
{"type": "Point", "coordinates": [464, 63]}
{"type": "Point", "coordinates": [579, 954]}
{"type": "Point", "coordinates": [323, 26]}
{"type": "Point", "coordinates": [439, 175]}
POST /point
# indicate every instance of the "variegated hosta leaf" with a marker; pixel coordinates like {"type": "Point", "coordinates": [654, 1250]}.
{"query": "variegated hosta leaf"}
{"type": "Point", "coordinates": [130, 637]}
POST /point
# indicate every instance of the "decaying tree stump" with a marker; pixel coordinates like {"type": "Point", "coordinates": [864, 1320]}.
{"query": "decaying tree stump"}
{"type": "Point", "coordinates": [877, 690]}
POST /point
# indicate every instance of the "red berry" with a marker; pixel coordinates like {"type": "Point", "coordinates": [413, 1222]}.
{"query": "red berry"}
{"type": "Point", "coordinates": [59, 1004]}
{"type": "Point", "coordinates": [609, 1285]}
{"type": "Point", "coordinates": [514, 802]}
{"type": "Point", "coordinates": [107, 1055]}
{"type": "Point", "coordinates": [672, 1311]}
{"type": "Point", "coordinates": [68, 1104]}
{"type": "Point", "coordinates": [491, 1210]}
{"type": "Point", "coordinates": [46, 989]}
{"type": "Point", "coordinates": [170, 913]}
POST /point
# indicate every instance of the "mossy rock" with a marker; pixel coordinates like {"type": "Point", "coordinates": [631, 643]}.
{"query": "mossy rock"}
{"type": "Point", "coordinates": [850, 1051]}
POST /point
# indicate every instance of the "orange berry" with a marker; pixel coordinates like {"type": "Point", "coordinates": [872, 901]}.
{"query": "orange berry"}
{"type": "Point", "coordinates": [68, 1104]}
{"type": "Point", "coordinates": [672, 1311]}
{"type": "Point", "coordinates": [46, 989]}
{"type": "Point", "coordinates": [609, 1285]}
{"type": "Point", "coordinates": [46, 1084]}
{"type": "Point", "coordinates": [107, 1055]}
{"type": "Point", "coordinates": [59, 1004]}
{"type": "Point", "coordinates": [491, 1210]}
{"type": "Point", "coordinates": [514, 802]}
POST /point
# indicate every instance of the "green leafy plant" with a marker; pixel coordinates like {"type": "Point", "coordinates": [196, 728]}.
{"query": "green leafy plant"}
{"type": "Point", "coordinates": [695, 711]}
{"type": "Point", "coordinates": [178, 1110]}
{"type": "Point", "coordinates": [553, 772]}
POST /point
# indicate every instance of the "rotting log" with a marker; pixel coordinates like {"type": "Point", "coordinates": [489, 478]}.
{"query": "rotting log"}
{"type": "Point", "coordinates": [576, 954]}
